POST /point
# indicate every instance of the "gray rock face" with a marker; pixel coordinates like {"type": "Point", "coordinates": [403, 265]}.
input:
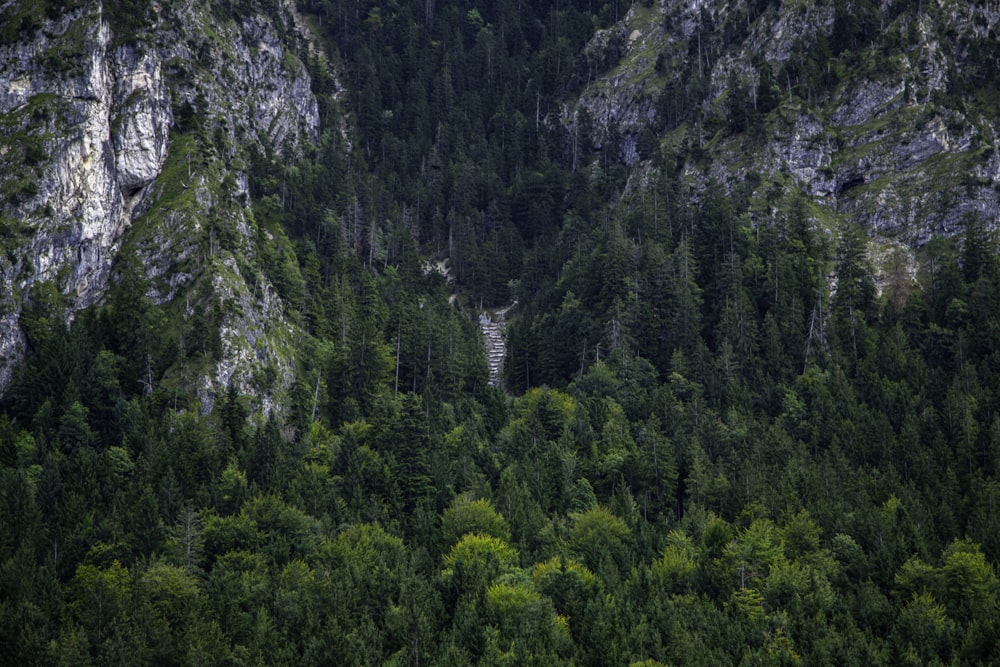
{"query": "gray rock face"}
{"type": "Point", "coordinates": [807, 154]}
{"type": "Point", "coordinates": [867, 101]}
{"type": "Point", "coordinates": [85, 124]}
{"type": "Point", "coordinates": [144, 118]}
{"type": "Point", "coordinates": [77, 212]}
{"type": "Point", "coordinates": [884, 140]}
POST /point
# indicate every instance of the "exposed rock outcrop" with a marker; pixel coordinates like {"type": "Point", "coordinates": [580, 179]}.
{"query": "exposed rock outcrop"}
{"type": "Point", "coordinates": [86, 117]}
{"type": "Point", "coordinates": [885, 133]}
{"type": "Point", "coordinates": [99, 131]}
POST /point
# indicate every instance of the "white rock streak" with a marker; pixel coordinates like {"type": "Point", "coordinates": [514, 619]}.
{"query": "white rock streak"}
{"type": "Point", "coordinates": [494, 326]}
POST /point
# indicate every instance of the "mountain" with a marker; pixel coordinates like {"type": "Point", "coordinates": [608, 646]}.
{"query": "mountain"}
{"type": "Point", "coordinates": [882, 113]}
{"type": "Point", "coordinates": [128, 131]}
{"type": "Point", "coordinates": [571, 332]}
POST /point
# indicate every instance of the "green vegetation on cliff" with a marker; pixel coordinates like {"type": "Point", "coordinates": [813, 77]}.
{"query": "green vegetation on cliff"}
{"type": "Point", "coordinates": [725, 437]}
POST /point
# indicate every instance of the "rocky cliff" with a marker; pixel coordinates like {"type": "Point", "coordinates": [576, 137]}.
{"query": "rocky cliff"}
{"type": "Point", "coordinates": [882, 112]}
{"type": "Point", "coordinates": [132, 132]}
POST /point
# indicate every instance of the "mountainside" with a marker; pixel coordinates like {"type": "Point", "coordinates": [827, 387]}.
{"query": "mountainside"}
{"type": "Point", "coordinates": [563, 332]}
{"type": "Point", "coordinates": [884, 113]}
{"type": "Point", "coordinates": [881, 113]}
{"type": "Point", "coordinates": [127, 128]}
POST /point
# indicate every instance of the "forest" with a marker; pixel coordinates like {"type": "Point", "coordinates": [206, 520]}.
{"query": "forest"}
{"type": "Point", "coordinates": [722, 436]}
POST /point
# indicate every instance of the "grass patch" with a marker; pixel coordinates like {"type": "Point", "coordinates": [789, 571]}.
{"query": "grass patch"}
{"type": "Point", "coordinates": [176, 181]}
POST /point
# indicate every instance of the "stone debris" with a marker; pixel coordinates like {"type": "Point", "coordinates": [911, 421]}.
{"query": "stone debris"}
{"type": "Point", "coordinates": [494, 328]}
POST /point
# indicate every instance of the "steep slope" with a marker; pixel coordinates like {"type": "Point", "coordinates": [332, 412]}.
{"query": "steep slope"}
{"type": "Point", "coordinates": [729, 449]}
{"type": "Point", "coordinates": [123, 128]}
{"type": "Point", "coordinates": [883, 113]}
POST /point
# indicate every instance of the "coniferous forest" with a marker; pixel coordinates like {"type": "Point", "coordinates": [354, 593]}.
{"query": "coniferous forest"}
{"type": "Point", "coordinates": [706, 450]}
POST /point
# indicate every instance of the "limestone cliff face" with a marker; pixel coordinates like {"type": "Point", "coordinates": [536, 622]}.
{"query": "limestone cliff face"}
{"type": "Point", "coordinates": [886, 125]}
{"type": "Point", "coordinates": [86, 122]}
